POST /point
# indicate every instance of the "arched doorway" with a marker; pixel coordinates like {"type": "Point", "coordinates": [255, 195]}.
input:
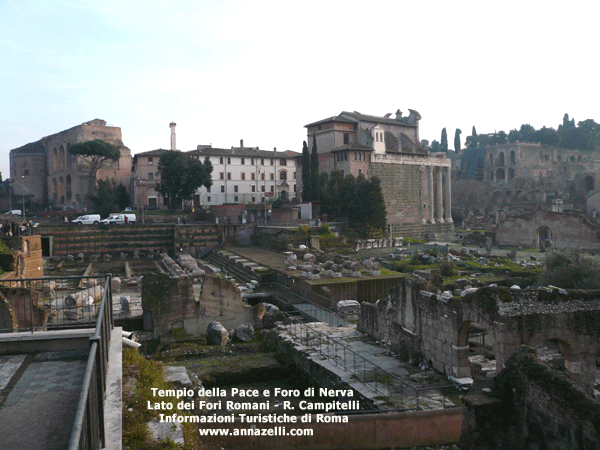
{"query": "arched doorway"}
{"type": "Point", "coordinates": [544, 236]}
{"type": "Point", "coordinates": [589, 183]}
{"type": "Point", "coordinates": [475, 355]}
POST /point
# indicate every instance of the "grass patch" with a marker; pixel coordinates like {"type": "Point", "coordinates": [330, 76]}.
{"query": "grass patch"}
{"type": "Point", "coordinates": [148, 374]}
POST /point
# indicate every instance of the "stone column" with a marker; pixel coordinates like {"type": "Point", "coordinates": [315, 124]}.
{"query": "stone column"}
{"type": "Point", "coordinates": [431, 196]}
{"type": "Point", "coordinates": [447, 197]}
{"type": "Point", "coordinates": [439, 210]}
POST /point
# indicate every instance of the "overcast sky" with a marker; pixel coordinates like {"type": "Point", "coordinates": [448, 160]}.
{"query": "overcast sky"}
{"type": "Point", "coordinates": [261, 70]}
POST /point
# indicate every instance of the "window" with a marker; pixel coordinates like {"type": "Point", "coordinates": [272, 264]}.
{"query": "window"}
{"type": "Point", "coordinates": [208, 189]}
{"type": "Point", "coordinates": [252, 176]}
{"type": "Point", "coordinates": [262, 188]}
{"type": "Point", "coordinates": [346, 138]}
{"type": "Point", "coordinates": [208, 199]}
{"type": "Point", "coordinates": [253, 199]}
{"type": "Point", "coordinates": [229, 175]}
{"type": "Point", "coordinates": [222, 175]}
{"type": "Point", "coordinates": [272, 188]}
{"type": "Point", "coordinates": [243, 161]}
{"type": "Point", "coordinates": [262, 161]}
{"type": "Point", "coordinates": [235, 188]}
{"type": "Point", "coordinates": [252, 161]}
{"type": "Point", "coordinates": [271, 161]}
{"type": "Point", "coordinates": [294, 188]}
{"type": "Point", "coordinates": [253, 188]}
{"type": "Point", "coordinates": [272, 176]}
{"type": "Point", "coordinates": [228, 160]}
{"type": "Point", "coordinates": [262, 176]}
{"type": "Point", "coordinates": [359, 171]}
{"type": "Point", "coordinates": [283, 162]}
{"type": "Point", "coordinates": [150, 176]}
{"type": "Point", "coordinates": [294, 175]}
{"type": "Point", "coordinates": [235, 198]}
{"type": "Point", "coordinates": [283, 175]}
{"type": "Point", "coordinates": [221, 160]}
{"type": "Point", "coordinates": [150, 162]}
{"type": "Point", "coordinates": [222, 188]}
{"type": "Point", "coordinates": [243, 175]}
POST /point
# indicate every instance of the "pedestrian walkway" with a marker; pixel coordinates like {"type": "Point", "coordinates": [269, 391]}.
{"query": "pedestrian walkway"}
{"type": "Point", "coordinates": [38, 399]}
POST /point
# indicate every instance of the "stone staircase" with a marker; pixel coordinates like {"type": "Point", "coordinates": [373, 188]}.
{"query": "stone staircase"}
{"type": "Point", "coordinates": [240, 268]}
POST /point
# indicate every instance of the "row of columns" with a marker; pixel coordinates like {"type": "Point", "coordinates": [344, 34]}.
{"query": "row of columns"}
{"type": "Point", "coordinates": [440, 207]}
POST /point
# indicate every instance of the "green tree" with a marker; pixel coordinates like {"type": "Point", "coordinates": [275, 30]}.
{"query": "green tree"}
{"type": "Point", "coordinates": [105, 200]}
{"type": "Point", "coordinates": [95, 153]}
{"type": "Point", "coordinates": [305, 163]}
{"type": "Point", "coordinates": [457, 134]}
{"type": "Point", "coordinates": [435, 146]}
{"type": "Point", "coordinates": [122, 197]}
{"type": "Point", "coordinates": [368, 211]}
{"type": "Point", "coordinates": [547, 136]}
{"type": "Point", "coordinates": [181, 175]}
{"type": "Point", "coordinates": [314, 170]}
{"type": "Point", "coordinates": [444, 141]}
{"type": "Point", "coordinates": [527, 133]}
{"type": "Point", "coordinates": [472, 141]}
{"type": "Point", "coordinates": [571, 270]}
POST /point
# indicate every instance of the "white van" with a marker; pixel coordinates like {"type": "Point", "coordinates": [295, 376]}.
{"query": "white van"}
{"type": "Point", "coordinates": [120, 219]}
{"type": "Point", "coordinates": [14, 212]}
{"type": "Point", "coordinates": [88, 219]}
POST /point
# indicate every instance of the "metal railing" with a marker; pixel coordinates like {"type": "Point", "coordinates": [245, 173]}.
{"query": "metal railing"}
{"type": "Point", "coordinates": [40, 304]}
{"type": "Point", "coordinates": [88, 429]}
{"type": "Point", "coordinates": [388, 385]}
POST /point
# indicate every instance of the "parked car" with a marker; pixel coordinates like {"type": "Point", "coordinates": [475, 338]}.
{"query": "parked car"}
{"type": "Point", "coordinates": [87, 219]}
{"type": "Point", "coordinates": [14, 212]}
{"type": "Point", "coordinates": [120, 218]}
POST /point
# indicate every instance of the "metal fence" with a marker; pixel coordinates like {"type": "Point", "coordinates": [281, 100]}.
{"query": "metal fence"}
{"type": "Point", "coordinates": [53, 303]}
{"type": "Point", "coordinates": [359, 368]}
{"type": "Point", "coordinates": [37, 304]}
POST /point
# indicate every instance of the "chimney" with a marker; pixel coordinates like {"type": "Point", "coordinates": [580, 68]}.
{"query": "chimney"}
{"type": "Point", "coordinates": [241, 143]}
{"type": "Point", "coordinates": [173, 145]}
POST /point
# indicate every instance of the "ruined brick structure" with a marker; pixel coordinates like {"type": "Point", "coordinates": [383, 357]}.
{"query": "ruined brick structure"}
{"type": "Point", "coordinates": [561, 230]}
{"type": "Point", "coordinates": [520, 177]}
{"type": "Point", "coordinates": [415, 183]}
{"type": "Point", "coordinates": [531, 406]}
{"type": "Point", "coordinates": [25, 260]}
{"type": "Point", "coordinates": [169, 302]}
{"type": "Point", "coordinates": [45, 172]}
{"type": "Point", "coordinates": [419, 322]}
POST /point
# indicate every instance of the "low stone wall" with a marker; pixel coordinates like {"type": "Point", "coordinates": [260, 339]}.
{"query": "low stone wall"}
{"type": "Point", "coordinates": [362, 432]}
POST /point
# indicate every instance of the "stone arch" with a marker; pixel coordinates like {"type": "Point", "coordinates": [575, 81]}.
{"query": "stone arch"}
{"type": "Point", "coordinates": [69, 157]}
{"type": "Point", "coordinates": [54, 159]}
{"type": "Point", "coordinates": [500, 159]}
{"type": "Point", "coordinates": [513, 157]}
{"type": "Point", "coordinates": [589, 183]}
{"type": "Point", "coordinates": [543, 234]}
{"type": "Point", "coordinates": [500, 175]}
{"type": "Point", "coordinates": [69, 188]}
{"type": "Point", "coordinates": [492, 159]}
{"type": "Point", "coordinates": [54, 190]}
{"type": "Point", "coordinates": [61, 158]}
{"type": "Point", "coordinates": [283, 175]}
{"type": "Point", "coordinates": [497, 197]}
{"type": "Point", "coordinates": [554, 352]}
{"type": "Point", "coordinates": [61, 190]}
{"type": "Point", "coordinates": [472, 348]}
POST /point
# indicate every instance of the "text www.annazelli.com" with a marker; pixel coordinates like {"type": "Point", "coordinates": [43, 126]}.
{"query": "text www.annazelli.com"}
{"type": "Point", "coordinates": [275, 431]}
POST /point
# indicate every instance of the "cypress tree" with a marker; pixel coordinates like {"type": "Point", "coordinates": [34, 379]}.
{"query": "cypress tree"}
{"type": "Point", "coordinates": [457, 140]}
{"type": "Point", "coordinates": [306, 178]}
{"type": "Point", "coordinates": [314, 171]}
{"type": "Point", "coordinates": [444, 141]}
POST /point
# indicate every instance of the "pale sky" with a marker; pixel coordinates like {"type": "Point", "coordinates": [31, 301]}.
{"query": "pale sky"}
{"type": "Point", "coordinates": [260, 70]}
